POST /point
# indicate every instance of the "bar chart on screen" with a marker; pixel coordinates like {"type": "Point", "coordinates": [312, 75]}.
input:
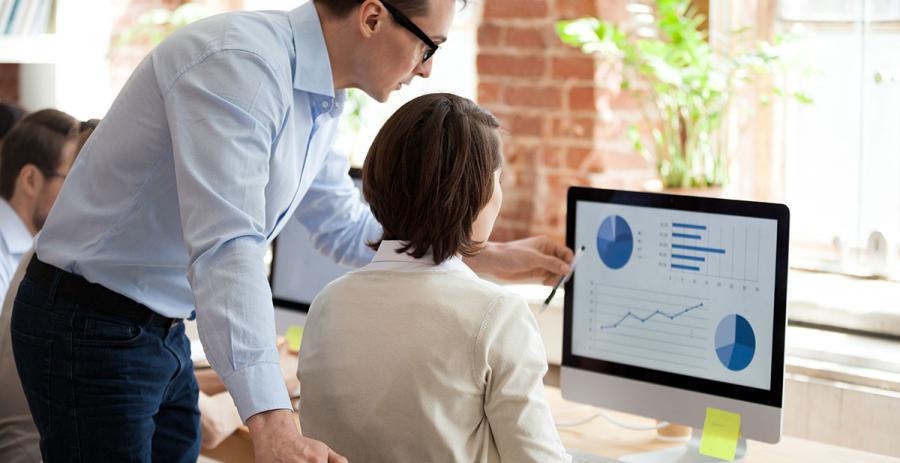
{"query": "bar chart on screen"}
{"type": "Point", "coordinates": [724, 252]}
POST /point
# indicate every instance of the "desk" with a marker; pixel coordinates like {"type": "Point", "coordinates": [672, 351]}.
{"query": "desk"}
{"type": "Point", "coordinates": [603, 438]}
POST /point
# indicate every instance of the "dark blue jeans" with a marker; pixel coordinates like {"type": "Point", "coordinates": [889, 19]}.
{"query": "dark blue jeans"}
{"type": "Point", "coordinates": [104, 388]}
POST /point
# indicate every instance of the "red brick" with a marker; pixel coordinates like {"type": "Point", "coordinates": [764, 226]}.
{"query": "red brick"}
{"type": "Point", "coordinates": [9, 82]}
{"type": "Point", "coordinates": [521, 155]}
{"type": "Point", "coordinates": [515, 9]}
{"type": "Point", "coordinates": [573, 127]}
{"type": "Point", "coordinates": [583, 98]}
{"type": "Point", "coordinates": [490, 35]}
{"type": "Point", "coordinates": [534, 97]}
{"type": "Point", "coordinates": [581, 68]}
{"type": "Point", "coordinates": [528, 180]}
{"type": "Point", "coordinates": [510, 66]}
{"type": "Point", "coordinates": [552, 157]}
{"type": "Point", "coordinates": [527, 125]}
{"type": "Point", "coordinates": [526, 37]}
{"type": "Point", "coordinates": [489, 93]}
{"type": "Point", "coordinates": [567, 9]}
{"type": "Point", "coordinates": [578, 158]}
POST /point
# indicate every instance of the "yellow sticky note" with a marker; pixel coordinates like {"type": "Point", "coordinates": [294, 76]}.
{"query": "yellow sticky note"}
{"type": "Point", "coordinates": [294, 335]}
{"type": "Point", "coordinates": [720, 434]}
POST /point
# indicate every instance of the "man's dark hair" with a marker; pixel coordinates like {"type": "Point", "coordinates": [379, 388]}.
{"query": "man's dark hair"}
{"type": "Point", "coordinates": [411, 8]}
{"type": "Point", "coordinates": [10, 114]}
{"type": "Point", "coordinates": [37, 139]}
{"type": "Point", "coordinates": [430, 172]}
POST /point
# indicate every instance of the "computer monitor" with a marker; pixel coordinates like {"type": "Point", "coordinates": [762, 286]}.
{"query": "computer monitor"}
{"type": "Point", "coordinates": [299, 271]}
{"type": "Point", "coordinates": [676, 305]}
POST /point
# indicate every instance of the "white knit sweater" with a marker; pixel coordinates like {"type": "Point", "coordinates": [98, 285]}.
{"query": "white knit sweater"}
{"type": "Point", "coordinates": [405, 361]}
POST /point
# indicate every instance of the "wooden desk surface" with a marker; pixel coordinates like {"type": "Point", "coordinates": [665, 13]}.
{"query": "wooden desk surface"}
{"type": "Point", "coordinates": [603, 438]}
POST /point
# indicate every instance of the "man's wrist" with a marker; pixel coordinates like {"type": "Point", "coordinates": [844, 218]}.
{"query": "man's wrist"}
{"type": "Point", "coordinates": [279, 418]}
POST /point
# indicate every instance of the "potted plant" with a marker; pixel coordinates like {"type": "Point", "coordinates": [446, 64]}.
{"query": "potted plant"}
{"type": "Point", "coordinates": [682, 84]}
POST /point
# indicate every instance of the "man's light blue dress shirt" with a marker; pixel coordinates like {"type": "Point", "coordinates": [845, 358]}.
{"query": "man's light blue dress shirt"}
{"type": "Point", "coordinates": [15, 241]}
{"type": "Point", "coordinates": [222, 134]}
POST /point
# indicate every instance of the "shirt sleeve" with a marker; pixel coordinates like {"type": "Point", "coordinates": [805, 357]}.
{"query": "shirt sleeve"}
{"type": "Point", "coordinates": [223, 114]}
{"type": "Point", "coordinates": [339, 222]}
{"type": "Point", "coordinates": [510, 355]}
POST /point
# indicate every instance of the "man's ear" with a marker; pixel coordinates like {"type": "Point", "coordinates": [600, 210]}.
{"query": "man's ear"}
{"type": "Point", "coordinates": [29, 181]}
{"type": "Point", "coordinates": [371, 17]}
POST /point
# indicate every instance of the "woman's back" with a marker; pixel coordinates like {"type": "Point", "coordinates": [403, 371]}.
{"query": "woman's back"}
{"type": "Point", "coordinates": [408, 361]}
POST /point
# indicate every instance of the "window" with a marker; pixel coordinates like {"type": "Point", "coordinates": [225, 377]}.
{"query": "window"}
{"type": "Point", "coordinates": [842, 153]}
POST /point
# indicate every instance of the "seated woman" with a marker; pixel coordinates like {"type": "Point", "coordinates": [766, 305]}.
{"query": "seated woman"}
{"type": "Point", "coordinates": [413, 358]}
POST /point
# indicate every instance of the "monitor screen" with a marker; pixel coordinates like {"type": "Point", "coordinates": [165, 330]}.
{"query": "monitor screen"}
{"type": "Point", "coordinates": [683, 292]}
{"type": "Point", "coordinates": [678, 291]}
{"type": "Point", "coordinates": [299, 271]}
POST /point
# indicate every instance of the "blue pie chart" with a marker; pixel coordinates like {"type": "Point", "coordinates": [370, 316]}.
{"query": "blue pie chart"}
{"type": "Point", "coordinates": [735, 342]}
{"type": "Point", "coordinates": [615, 242]}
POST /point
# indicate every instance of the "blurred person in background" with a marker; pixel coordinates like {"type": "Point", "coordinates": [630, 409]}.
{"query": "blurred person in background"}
{"type": "Point", "coordinates": [10, 114]}
{"type": "Point", "coordinates": [34, 161]}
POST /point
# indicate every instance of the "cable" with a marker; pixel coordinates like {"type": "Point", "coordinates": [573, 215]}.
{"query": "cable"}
{"type": "Point", "coordinates": [677, 440]}
{"type": "Point", "coordinates": [630, 427]}
{"type": "Point", "coordinates": [608, 417]}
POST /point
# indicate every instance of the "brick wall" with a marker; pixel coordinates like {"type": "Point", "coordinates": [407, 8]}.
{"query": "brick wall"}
{"type": "Point", "coordinates": [563, 125]}
{"type": "Point", "coordinates": [9, 82]}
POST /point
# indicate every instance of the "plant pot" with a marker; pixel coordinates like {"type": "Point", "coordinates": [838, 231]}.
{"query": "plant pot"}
{"type": "Point", "coordinates": [708, 192]}
{"type": "Point", "coordinates": [655, 186]}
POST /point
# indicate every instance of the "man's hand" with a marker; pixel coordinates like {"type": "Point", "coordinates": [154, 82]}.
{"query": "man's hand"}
{"type": "Point", "coordinates": [536, 257]}
{"type": "Point", "coordinates": [276, 439]}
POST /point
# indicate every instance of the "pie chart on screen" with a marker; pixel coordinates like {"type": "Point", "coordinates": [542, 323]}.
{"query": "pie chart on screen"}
{"type": "Point", "coordinates": [735, 342]}
{"type": "Point", "coordinates": [615, 242]}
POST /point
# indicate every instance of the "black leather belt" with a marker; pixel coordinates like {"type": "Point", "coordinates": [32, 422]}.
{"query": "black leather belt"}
{"type": "Point", "coordinates": [92, 297]}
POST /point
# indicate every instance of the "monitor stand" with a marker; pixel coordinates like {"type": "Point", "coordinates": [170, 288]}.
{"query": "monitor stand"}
{"type": "Point", "coordinates": [689, 453]}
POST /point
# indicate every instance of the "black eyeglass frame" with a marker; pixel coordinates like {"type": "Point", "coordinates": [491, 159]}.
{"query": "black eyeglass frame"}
{"type": "Point", "coordinates": [51, 174]}
{"type": "Point", "coordinates": [407, 23]}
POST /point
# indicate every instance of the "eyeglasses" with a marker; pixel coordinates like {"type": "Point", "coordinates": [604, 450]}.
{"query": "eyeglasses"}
{"type": "Point", "coordinates": [51, 174]}
{"type": "Point", "coordinates": [403, 20]}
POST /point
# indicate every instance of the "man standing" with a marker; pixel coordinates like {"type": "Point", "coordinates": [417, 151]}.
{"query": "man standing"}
{"type": "Point", "coordinates": [34, 160]}
{"type": "Point", "coordinates": [222, 134]}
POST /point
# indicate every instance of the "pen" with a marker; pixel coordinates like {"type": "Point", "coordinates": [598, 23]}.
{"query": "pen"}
{"type": "Point", "coordinates": [562, 280]}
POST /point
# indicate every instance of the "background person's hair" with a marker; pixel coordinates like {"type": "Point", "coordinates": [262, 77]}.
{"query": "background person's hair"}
{"type": "Point", "coordinates": [37, 139]}
{"type": "Point", "coordinates": [85, 129]}
{"type": "Point", "coordinates": [411, 8]}
{"type": "Point", "coordinates": [10, 114]}
{"type": "Point", "coordinates": [430, 172]}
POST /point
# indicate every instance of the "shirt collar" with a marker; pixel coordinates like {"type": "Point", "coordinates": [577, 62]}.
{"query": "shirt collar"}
{"type": "Point", "coordinates": [312, 69]}
{"type": "Point", "coordinates": [387, 258]}
{"type": "Point", "coordinates": [14, 232]}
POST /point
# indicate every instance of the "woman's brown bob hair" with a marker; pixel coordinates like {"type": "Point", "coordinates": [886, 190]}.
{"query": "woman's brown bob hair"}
{"type": "Point", "coordinates": [429, 173]}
